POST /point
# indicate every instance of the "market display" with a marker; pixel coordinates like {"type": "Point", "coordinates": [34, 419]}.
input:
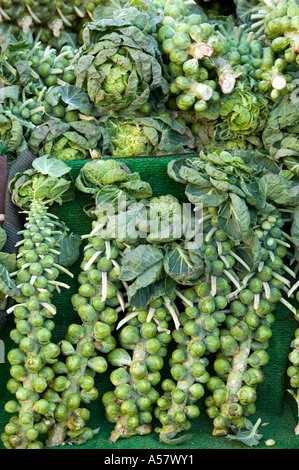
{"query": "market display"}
{"type": "Point", "coordinates": [178, 306]}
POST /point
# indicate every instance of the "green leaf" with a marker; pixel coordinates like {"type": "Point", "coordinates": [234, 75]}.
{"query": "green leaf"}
{"type": "Point", "coordinates": [281, 191]}
{"type": "Point", "coordinates": [144, 263]}
{"type": "Point", "coordinates": [11, 132]}
{"type": "Point", "coordinates": [7, 286]}
{"type": "Point", "coordinates": [259, 159]}
{"type": "Point", "coordinates": [173, 169]}
{"type": "Point", "coordinates": [209, 197]}
{"type": "Point", "coordinates": [179, 265]}
{"type": "Point", "coordinates": [108, 197]}
{"type": "Point", "coordinates": [225, 186]}
{"type": "Point", "coordinates": [215, 173]}
{"type": "Point", "coordinates": [74, 97]}
{"type": "Point", "coordinates": [140, 297]}
{"type": "Point", "coordinates": [284, 115]}
{"type": "Point", "coordinates": [194, 177]}
{"type": "Point", "coordinates": [69, 249]}
{"type": "Point", "coordinates": [124, 227]}
{"type": "Point", "coordinates": [252, 193]}
{"type": "Point", "coordinates": [8, 261]}
{"type": "Point", "coordinates": [250, 436]}
{"type": "Point", "coordinates": [234, 219]}
{"type": "Point", "coordinates": [292, 163]}
{"type": "Point", "coordinates": [137, 188]}
{"type": "Point", "coordinates": [50, 166]}
{"type": "Point", "coordinates": [42, 137]}
{"type": "Point", "coordinates": [250, 252]}
{"type": "Point", "coordinates": [295, 227]}
{"type": "Point", "coordinates": [10, 92]}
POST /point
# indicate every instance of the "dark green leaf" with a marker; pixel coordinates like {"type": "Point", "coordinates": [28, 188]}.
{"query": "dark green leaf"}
{"type": "Point", "coordinates": [69, 249]}
{"type": "Point", "coordinates": [140, 296]}
{"type": "Point", "coordinates": [74, 98]}
{"type": "Point", "coordinates": [179, 265]}
{"type": "Point", "coordinates": [250, 252]}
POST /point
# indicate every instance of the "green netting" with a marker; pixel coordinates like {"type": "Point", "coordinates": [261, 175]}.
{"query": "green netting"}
{"type": "Point", "coordinates": [275, 405]}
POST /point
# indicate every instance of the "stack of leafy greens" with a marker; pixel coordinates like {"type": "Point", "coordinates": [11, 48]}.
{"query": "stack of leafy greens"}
{"type": "Point", "coordinates": [219, 78]}
{"type": "Point", "coordinates": [58, 98]}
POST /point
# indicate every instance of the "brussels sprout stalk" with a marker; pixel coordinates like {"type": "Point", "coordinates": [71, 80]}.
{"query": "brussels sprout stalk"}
{"type": "Point", "coordinates": [130, 405]}
{"type": "Point", "coordinates": [33, 360]}
{"type": "Point", "coordinates": [249, 328]}
{"type": "Point", "coordinates": [199, 50]}
{"type": "Point", "coordinates": [97, 303]}
{"type": "Point", "coordinates": [293, 372]}
{"type": "Point", "coordinates": [226, 75]}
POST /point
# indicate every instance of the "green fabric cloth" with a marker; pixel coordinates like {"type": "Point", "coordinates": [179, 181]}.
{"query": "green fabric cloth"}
{"type": "Point", "coordinates": [275, 406]}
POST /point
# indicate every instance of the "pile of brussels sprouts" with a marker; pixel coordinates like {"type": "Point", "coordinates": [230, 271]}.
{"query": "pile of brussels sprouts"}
{"type": "Point", "coordinates": [171, 324]}
{"type": "Point", "coordinates": [172, 76]}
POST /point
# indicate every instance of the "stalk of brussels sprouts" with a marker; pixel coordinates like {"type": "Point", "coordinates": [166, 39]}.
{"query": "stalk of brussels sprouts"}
{"type": "Point", "coordinates": [245, 337]}
{"type": "Point", "coordinates": [226, 75]}
{"type": "Point", "coordinates": [98, 302]}
{"type": "Point", "coordinates": [246, 56]}
{"type": "Point", "coordinates": [194, 53]}
{"type": "Point", "coordinates": [281, 28]}
{"type": "Point", "coordinates": [34, 358]}
{"type": "Point", "coordinates": [293, 371]}
{"type": "Point", "coordinates": [130, 405]}
{"type": "Point", "coordinates": [278, 24]}
{"type": "Point", "coordinates": [199, 333]}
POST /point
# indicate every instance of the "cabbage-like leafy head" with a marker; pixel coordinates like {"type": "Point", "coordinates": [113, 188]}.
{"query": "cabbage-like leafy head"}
{"type": "Point", "coordinates": [120, 65]}
{"type": "Point", "coordinates": [98, 173]}
{"type": "Point", "coordinates": [146, 136]}
{"type": "Point", "coordinates": [131, 140]}
{"type": "Point", "coordinates": [48, 181]}
{"type": "Point", "coordinates": [244, 112]}
{"type": "Point", "coordinates": [65, 141]}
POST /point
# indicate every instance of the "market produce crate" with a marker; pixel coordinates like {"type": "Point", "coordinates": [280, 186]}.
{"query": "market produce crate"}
{"type": "Point", "coordinates": [275, 406]}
